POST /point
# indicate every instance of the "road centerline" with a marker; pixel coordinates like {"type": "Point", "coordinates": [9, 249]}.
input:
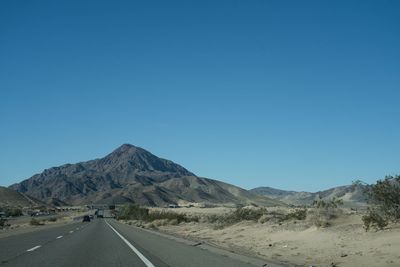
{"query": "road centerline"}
{"type": "Point", "coordinates": [137, 252]}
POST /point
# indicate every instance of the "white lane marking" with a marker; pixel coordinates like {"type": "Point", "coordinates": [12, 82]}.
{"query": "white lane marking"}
{"type": "Point", "coordinates": [58, 237]}
{"type": "Point", "coordinates": [32, 249]}
{"type": "Point", "coordinates": [71, 232]}
{"type": "Point", "coordinates": [77, 228]}
{"type": "Point", "coordinates": [140, 255]}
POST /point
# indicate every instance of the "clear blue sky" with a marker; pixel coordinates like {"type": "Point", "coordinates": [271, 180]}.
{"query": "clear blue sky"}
{"type": "Point", "coordinates": [299, 95]}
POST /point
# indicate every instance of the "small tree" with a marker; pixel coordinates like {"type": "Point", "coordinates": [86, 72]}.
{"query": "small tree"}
{"type": "Point", "coordinates": [384, 201]}
{"type": "Point", "coordinates": [3, 222]}
{"type": "Point", "coordinates": [325, 211]}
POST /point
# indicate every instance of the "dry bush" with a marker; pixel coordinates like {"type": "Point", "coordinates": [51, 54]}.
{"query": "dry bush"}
{"type": "Point", "coordinates": [35, 222]}
{"type": "Point", "coordinates": [134, 212]}
{"type": "Point", "coordinates": [324, 212]}
{"type": "Point", "coordinates": [3, 223]}
{"type": "Point", "coordinates": [238, 215]}
{"type": "Point", "coordinates": [298, 214]}
{"type": "Point", "coordinates": [11, 211]}
{"type": "Point", "coordinates": [384, 200]}
{"type": "Point", "coordinates": [52, 219]}
{"type": "Point", "coordinates": [374, 219]}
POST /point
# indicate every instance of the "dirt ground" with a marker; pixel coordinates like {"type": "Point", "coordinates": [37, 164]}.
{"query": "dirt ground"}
{"type": "Point", "coordinates": [344, 243]}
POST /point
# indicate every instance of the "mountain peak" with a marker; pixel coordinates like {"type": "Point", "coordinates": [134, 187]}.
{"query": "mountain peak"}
{"type": "Point", "coordinates": [127, 150]}
{"type": "Point", "coordinates": [125, 147]}
{"type": "Point", "coordinates": [131, 158]}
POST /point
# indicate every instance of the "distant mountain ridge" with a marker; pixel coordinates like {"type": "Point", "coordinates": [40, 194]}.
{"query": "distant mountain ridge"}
{"type": "Point", "coordinates": [132, 174]}
{"type": "Point", "coordinates": [352, 195]}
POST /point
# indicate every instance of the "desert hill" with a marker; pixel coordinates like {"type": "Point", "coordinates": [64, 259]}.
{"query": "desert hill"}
{"type": "Point", "coordinates": [9, 197]}
{"type": "Point", "coordinates": [132, 174]}
{"type": "Point", "coordinates": [352, 195]}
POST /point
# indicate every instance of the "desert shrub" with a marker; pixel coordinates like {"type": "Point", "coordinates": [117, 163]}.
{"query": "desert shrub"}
{"type": "Point", "coordinates": [374, 219]}
{"type": "Point", "coordinates": [277, 216]}
{"type": "Point", "coordinates": [35, 222]}
{"type": "Point", "coordinates": [260, 215]}
{"type": "Point", "coordinates": [244, 214]}
{"type": "Point", "coordinates": [171, 216]}
{"type": "Point", "coordinates": [213, 218]}
{"type": "Point", "coordinates": [11, 211]}
{"type": "Point", "coordinates": [329, 204]}
{"type": "Point", "coordinates": [238, 215]}
{"type": "Point", "coordinates": [3, 223]}
{"type": "Point", "coordinates": [298, 214]}
{"type": "Point", "coordinates": [264, 218]}
{"type": "Point", "coordinates": [52, 219]}
{"type": "Point", "coordinates": [134, 212]}
{"type": "Point", "coordinates": [384, 203]}
{"type": "Point", "coordinates": [385, 194]}
{"type": "Point", "coordinates": [249, 214]}
{"type": "Point", "coordinates": [324, 211]}
{"type": "Point", "coordinates": [160, 222]}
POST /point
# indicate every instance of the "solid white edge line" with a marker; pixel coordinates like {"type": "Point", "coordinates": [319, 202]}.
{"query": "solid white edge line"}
{"type": "Point", "coordinates": [140, 255]}
{"type": "Point", "coordinates": [32, 249]}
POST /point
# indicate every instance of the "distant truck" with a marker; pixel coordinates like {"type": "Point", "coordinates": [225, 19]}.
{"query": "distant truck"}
{"type": "Point", "coordinates": [99, 213]}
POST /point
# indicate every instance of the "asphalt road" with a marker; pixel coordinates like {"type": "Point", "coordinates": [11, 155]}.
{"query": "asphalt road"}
{"type": "Point", "coordinates": [106, 242]}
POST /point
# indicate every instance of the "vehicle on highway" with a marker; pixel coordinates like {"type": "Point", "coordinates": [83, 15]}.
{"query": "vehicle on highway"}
{"type": "Point", "coordinates": [86, 218]}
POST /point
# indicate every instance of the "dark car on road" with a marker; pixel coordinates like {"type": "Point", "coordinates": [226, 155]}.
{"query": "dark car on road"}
{"type": "Point", "coordinates": [86, 218]}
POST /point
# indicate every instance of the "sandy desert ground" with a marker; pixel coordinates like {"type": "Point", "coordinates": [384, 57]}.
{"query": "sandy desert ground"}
{"type": "Point", "coordinates": [296, 242]}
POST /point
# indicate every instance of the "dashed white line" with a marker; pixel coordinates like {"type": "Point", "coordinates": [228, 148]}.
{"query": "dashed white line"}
{"type": "Point", "coordinates": [140, 255]}
{"type": "Point", "coordinates": [58, 237]}
{"type": "Point", "coordinates": [32, 249]}
{"type": "Point", "coordinates": [71, 232]}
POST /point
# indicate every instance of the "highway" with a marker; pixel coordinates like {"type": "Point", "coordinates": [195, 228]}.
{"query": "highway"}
{"type": "Point", "coordinates": [106, 242]}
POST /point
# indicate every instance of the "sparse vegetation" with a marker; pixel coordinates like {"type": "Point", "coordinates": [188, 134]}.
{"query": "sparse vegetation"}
{"type": "Point", "coordinates": [374, 219]}
{"type": "Point", "coordinates": [298, 214]}
{"type": "Point", "coordinates": [260, 215]}
{"type": "Point", "coordinates": [134, 212]}
{"type": "Point", "coordinates": [239, 214]}
{"type": "Point", "coordinates": [36, 222]}
{"type": "Point", "coordinates": [324, 211]}
{"type": "Point", "coordinates": [11, 211]}
{"type": "Point", "coordinates": [384, 200]}
{"type": "Point", "coordinates": [3, 223]}
{"type": "Point", "coordinates": [52, 219]}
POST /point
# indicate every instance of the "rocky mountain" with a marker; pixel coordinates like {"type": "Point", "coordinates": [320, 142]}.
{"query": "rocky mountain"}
{"type": "Point", "coordinates": [9, 197]}
{"type": "Point", "coordinates": [132, 174]}
{"type": "Point", "coordinates": [352, 195]}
